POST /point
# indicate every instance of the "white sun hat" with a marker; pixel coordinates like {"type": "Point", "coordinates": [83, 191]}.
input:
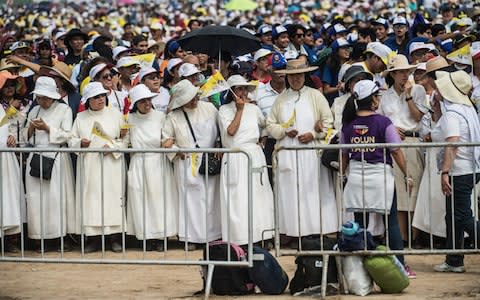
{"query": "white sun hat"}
{"type": "Point", "coordinates": [172, 63]}
{"type": "Point", "coordinates": [239, 80]}
{"type": "Point", "coordinates": [146, 71]}
{"type": "Point", "coordinates": [117, 50]}
{"type": "Point", "coordinates": [46, 87]}
{"type": "Point", "coordinates": [91, 90]}
{"type": "Point", "coordinates": [96, 70]}
{"type": "Point", "coordinates": [262, 52]}
{"type": "Point", "coordinates": [140, 92]}
{"type": "Point", "coordinates": [182, 93]}
{"type": "Point", "coordinates": [187, 69]}
{"type": "Point", "coordinates": [127, 61]}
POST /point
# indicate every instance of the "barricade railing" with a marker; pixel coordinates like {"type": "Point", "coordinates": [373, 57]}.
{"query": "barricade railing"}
{"type": "Point", "coordinates": [299, 166]}
{"type": "Point", "coordinates": [109, 176]}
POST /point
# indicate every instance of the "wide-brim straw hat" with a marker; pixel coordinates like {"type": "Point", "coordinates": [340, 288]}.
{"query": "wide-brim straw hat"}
{"type": "Point", "coordinates": [399, 62]}
{"type": "Point", "coordinates": [454, 87]}
{"type": "Point", "coordinates": [182, 93]}
{"type": "Point", "coordinates": [60, 69]}
{"type": "Point", "coordinates": [6, 65]}
{"type": "Point", "coordinates": [436, 63]}
{"type": "Point", "coordinates": [239, 80]}
{"type": "Point", "coordinates": [296, 66]}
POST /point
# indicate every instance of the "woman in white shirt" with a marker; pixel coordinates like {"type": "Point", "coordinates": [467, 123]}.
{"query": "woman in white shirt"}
{"type": "Point", "coordinates": [459, 166]}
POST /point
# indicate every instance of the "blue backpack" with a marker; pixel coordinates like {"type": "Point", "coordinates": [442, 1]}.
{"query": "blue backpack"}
{"type": "Point", "coordinates": [267, 273]}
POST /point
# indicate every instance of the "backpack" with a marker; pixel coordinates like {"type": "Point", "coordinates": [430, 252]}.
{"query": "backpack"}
{"type": "Point", "coordinates": [267, 273]}
{"type": "Point", "coordinates": [228, 280]}
{"type": "Point", "coordinates": [309, 271]}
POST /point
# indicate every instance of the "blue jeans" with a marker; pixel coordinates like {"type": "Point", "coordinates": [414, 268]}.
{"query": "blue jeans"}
{"type": "Point", "coordinates": [463, 216]}
{"type": "Point", "coordinates": [395, 241]}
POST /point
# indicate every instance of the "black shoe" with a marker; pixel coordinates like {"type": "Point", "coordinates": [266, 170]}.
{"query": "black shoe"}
{"type": "Point", "coordinates": [66, 247]}
{"type": "Point", "coordinates": [91, 247]}
{"type": "Point", "coordinates": [159, 246]}
{"type": "Point", "coordinates": [11, 248]}
{"type": "Point", "coordinates": [116, 247]}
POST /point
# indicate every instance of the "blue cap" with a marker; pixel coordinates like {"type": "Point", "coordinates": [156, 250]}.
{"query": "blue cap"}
{"type": "Point", "coordinates": [339, 43]}
{"type": "Point", "coordinates": [173, 47]}
{"type": "Point", "coordinates": [350, 228]}
{"type": "Point", "coordinates": [277, 30]}
{"type": "Point", "coordinates": [278, 61]}
{"type": "Point", "coordinates": [446, 45]}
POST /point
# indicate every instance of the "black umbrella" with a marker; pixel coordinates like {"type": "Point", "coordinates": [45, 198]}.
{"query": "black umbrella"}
{"type": "Point", "coordinates": [213, 39]}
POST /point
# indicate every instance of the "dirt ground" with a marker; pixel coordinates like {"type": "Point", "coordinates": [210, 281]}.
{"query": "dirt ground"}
{"type": "Point", "coordinates": [85, 281]}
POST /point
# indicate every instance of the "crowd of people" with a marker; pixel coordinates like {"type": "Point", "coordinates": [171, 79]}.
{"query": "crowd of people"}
{"type": "Point", "coordinates": [356, 73]}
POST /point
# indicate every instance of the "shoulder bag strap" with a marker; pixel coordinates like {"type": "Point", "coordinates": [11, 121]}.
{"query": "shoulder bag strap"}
{"type": "Point", "coordinates": [191, 129]}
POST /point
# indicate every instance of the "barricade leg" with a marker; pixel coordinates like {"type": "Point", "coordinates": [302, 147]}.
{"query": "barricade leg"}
{"type": "Point", "coordinates": [324, 275]}
{"type": "Point", "coordinates": [208, 284]}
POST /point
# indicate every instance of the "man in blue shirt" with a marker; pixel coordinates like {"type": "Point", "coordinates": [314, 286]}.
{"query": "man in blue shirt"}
{"type": "Point", "coordinates": [399, 41]}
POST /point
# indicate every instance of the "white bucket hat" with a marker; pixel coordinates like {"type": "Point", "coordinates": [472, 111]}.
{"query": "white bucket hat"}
{"type": "Point", "coordinates": [127, 61]}
{"type": "Point", "coordinates": [117, 50]}
{"type": "Point", "coordinates": [187, 69]}
{"type": "Point", "coordinates": [239, 80]}
{"type": "Point", "coordinates": [91, 90]}
{"type": "Point", "coordinates": [364, 88]}
{"type": "Point", "coordinates": [182, 93]}
{"type": "Point", "coordinates": [261, 53]}
{"type": "Point", "coordinates": [140, 92]}
{"type": "Point", "coordinates": [380, 50]}
{"type": "Point", "coordinates": [172, 63]}
{"type": "Point", "coordinates": [47, 87]}
{"type": "Point", "coordinates": [454, 87]}
{"type": "Point", "coordinates": [146, 71]}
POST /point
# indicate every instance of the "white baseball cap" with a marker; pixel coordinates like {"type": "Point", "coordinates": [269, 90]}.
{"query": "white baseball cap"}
{"type": "Point", "coordinates": [420, 45]}
{"type": "Point", "coordinates": [91, 90]}
{"type": "Point", "coordinates": [187, 69]}
{"type": "Point", "coordinates": [399, 21]}
{"type": "Point", "coordinates": [140, 92]}
{"type": "Point", "coordinates": [172, 63]}
{"type": "Point", "coordinates": [379, 50]}
{"type": "Point", "coordinates": [262, 52]}
{"type": "Point", "coordinates": [117, 50]}
{"type": "Point", "coordinates": [127, 61]}
{"type": "Point", "coordinates": [364, 88]}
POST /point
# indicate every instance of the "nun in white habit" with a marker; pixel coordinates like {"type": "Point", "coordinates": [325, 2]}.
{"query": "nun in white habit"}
{"type": "Point", "coordinates": [99, 127]}
{"type": "Point", "coordinates": [199, 206]}
{"type": "Point", "coordinates": [240, 125]}
{"type": "Point", "coordinates": [152, 212]}
{"type": "Point", "coordinates": [51, 203]}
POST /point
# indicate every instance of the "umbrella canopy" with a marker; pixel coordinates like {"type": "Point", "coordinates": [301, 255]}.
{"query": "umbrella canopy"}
{"type": "Point", "coordinates": [242, 5]}
{"type": "Point", "coordinates": [212, 39]}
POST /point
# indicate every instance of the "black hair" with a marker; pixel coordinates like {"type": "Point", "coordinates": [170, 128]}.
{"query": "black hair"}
{"type": "Point", "coordinates": [350, 111]}
{"type": "Point", "coordinates": [134, 108]}
{"type": "Point", "coordinates": [100, 47]}
{"type": "Point", "coordinates": [292, 29]}
{"type": "Point", "coordinates": [358, 51]}
{"type": "Point", "coordinates": [389, 79]}
{"type": "Point", "coordinates": [228, 97]}
{"type": "Point", "coordinates": [367, 31]}
{"type": "Point", "coordinates": [436, 28]}
{"type": "Point", "coordinates": [138, 38]}
{"type": "Point", "coordinates": [421, 28]}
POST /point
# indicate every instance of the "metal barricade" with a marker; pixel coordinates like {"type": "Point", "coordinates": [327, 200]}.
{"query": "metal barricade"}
{"type": "Point", "coordinates": [105, 230]}
{"type": "Point", "coordinates": [293, 182]}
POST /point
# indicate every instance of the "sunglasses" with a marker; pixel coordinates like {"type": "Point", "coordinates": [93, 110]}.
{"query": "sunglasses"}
{"type": "Point", "coordinates": [299, 35]}
{"type": "Point", "coordinates": [107, 76]}
{"type": "Point", "coordinates": [152, 77]}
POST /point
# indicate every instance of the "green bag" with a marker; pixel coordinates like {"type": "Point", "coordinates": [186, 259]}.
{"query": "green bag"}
{"type": "Point", "coordinates": [387, 272]}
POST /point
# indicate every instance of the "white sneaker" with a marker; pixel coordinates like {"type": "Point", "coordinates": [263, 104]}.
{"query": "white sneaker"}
{"type": "Point", "coordinates": [444, 267]}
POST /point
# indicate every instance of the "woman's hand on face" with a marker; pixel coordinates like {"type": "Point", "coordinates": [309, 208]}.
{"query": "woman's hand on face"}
{"type": "Point", "coordinates": [11, 141]}
{"type": "Point", "coordinates": [239, 102]}
{"type": "Point", "coordinates": [408, 88]}
{"type": "Point", "coordinates": [84, 143]}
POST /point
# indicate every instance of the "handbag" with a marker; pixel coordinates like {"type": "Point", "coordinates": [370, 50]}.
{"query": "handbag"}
{"type": "Point", "coordinates": [214, 164]}
{"type": "Point", "coordinates": [330, 156]}
{"type": "Point", "coordinates": [41, 166]}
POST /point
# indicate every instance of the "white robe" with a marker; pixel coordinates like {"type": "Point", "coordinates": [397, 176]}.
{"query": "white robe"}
{"type": "Point", "coordinates": [199, 205]}
{"type": "Point", "coordinates": [12, 201]}
{"type": "Point", "coordinates": [51, 202]}
{"type": "Point", "coordinates": [234, 178]}
{"type": "Point", "coordinates": [151, 183]}
{"type": "Point", "coordinates": [89, 179]}
{"type": "Point", "coordinates": [299, 200]}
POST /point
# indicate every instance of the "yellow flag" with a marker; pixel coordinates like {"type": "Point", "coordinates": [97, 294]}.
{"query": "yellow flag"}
{"type": "Point", "coordinates": [97, 130]}
{"type": "Point", "coordinates": [462, 56]}
{"type": "Point", "coordinates": [126, 125]}
{"type": "Point", "coordinates": [290, 121]}
{"type": "Point", "coordinates": [9, 113]}
{"type": "Point", "coordinates": [145, 60]}
{"type": "Point", "coordinates": [215, 84]}
{"type": "Point", "coordinates": [194, 163]}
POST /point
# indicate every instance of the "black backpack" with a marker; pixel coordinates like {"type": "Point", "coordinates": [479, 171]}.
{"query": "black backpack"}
{"type": "Point", "coordinates": [267, 274]}
{"type": "Point", "coordinates": [309, 271]}
{"type": "Point", "coordinates": [229, 280]}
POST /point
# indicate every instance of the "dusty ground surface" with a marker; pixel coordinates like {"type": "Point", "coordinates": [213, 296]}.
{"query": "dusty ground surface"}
{"type": "Point", "coordinates": [75, 281]}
